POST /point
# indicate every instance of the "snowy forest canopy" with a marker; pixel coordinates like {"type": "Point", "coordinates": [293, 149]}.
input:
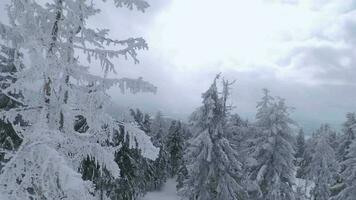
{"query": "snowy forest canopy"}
{"type": "Point", "coordinates": [58, 141]}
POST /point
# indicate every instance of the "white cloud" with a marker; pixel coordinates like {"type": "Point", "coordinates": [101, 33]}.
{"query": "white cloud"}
{"type": "Point", "coordinates": [303, 50]}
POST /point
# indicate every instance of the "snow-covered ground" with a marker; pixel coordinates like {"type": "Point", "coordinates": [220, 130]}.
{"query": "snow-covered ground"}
{"type": "Point", "coordinates": [168, 192]}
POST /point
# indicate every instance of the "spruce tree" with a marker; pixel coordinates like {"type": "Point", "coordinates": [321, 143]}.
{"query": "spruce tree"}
{"type": "Point", "coordinates": [214, 168]}
{"type": "Point", "coordinates": [300, 144]}
{"type": "Point", "coordinates": [100, 176]}
{"type": "Point", "coordinates": [175, 147]}
{"type": "Point", "coordinates": [56, 87]}
{"type": "Point", "coordinates": [349, 134]}
{"type": "Point", "coordinates": [137, 173]}
{"type": "Point", "coordinates": [161, 168]}
{"type": "Point", "coordinates": [142, 120]}
{"type": "Point", "coordinates": [348, 187]}
{"type": "Point", "coordinates": [158, 129]}
{"type": "Point", "coordinates": [300, 149]}
{"type": "Point", "coordinates": [323, 168]}
{"type": "Point", "coordinates": [345, 187]}
{"type": "Point", "coordinates": [274, 170]}
{"type": "Point", "coordinates": [128, 187]}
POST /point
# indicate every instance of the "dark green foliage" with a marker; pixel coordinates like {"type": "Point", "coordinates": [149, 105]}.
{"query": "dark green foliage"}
{"type": "Point", "coordinates": [300, 144]}
{"type": "Point", "coordinates": [143, 120]}
{"type": "Point", "coordinates": [138, 174]}
{"type": "Point", "coordinates": [299, 155]}
{"type": "Point", "coordinates": [100, 176]}
{"type": "Point", "coordinates": [9, 139]}
{"type": "Point", "coordinates": [161, 168]}
{"type": "Point", "coordinates": [158, 130]}
{"type": "Point", "coordinates": [128, 161]}
{"type": "Point", "coordinates": [175, 147]}
{"type": "Point", "coordinates": [80, 124]}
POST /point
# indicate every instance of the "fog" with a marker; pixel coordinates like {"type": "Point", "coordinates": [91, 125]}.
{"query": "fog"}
{"type": "Point", "coordinates": [303, 51]}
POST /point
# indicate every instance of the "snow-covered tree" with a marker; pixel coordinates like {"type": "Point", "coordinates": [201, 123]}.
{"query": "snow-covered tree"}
{"type": "Point", "coordinates": [102, 179]}
{"type": "Point", "coordinates": [131, 184]}
{"type": "Point", "coordinates": [349, 134]}
{"type": "Point", "coordinates": [175, 147]}
{"type": "Point", "coordinates": [161, 168]}
{"type": "Point", "coordinates": [323, 167]}
{"type": "Point", "coordinates": [333, 138]}
{"type": "Point", "coordinates": [214, 168]}
{"type": "Point", "coordinates": [158, 129]}
{"type": "Point", "coordinates": [274, 170]}
{"type": "Point", "coordinates": [300, 144]}
{"type": "Point", "coordinates": [264, 110]}
{"type": "Point", "coordinates": [299, 155]}
{"type": "Point", "coordinates": [139, 174]}
{"type": "Point", "coordinates": [9, 139]}
{"type": "Point", "coordinates": [345, 187]}
{"type": "Point", "coordinates": [56, 88]}
{"type": "Point", "coordinates": [348, 187]}
{"type": "Point", "coordinates": [143, 120]}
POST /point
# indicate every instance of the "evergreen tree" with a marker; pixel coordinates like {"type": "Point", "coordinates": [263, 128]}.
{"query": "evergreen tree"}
{"type": "Point", "coordinates": [214, 168]}
{"type": "Point", "coordinates": [175, 147]}
{"type": "Point", "coordinates": [158, 129]}
{"type": "Point", "coordinates": [323, 167]}
{"type": "Point", "coordinates": [274, 170]}
{"type": "Point", "coordinates": [349, 134]}
{"type": "Point", "coordinates": [56, 88]}
{"type": "Point", "coordinates": [161, 167]}
{"type": "Point", "coordinates": [143, 120]}
{"type": "Point", "coordinates": [333, 138]}
{"type": "Point", "coordinates": [300, 144]}
{"type": "Point", "coordinates": [137, 173]}
{"type": "Point", "coordinates": [181, 176]}
{"type": "Point", "coordinates": [348, 187]}
{"type": "Point", "coordinates": [344, 188]}
{"type": "Point", "coordinates": [264, 110]}
{"type": "Point", "coordinates": [100, 176]}
{"type": "Point", "coordinates": [300, 149]}
{"type": "Point", "coordinates": [129, 186]}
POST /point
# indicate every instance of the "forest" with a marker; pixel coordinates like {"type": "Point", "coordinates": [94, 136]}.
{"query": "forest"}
{"type": "Point", "coordinates": [59, 142]}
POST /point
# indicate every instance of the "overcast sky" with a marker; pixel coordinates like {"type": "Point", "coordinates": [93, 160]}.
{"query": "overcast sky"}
{"type": "Point", "coordinates": [302, 50]}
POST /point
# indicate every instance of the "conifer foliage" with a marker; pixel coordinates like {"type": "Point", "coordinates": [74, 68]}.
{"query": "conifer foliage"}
{"type": "Point", "coordinates": [175, 148]}
{"type": "Point", "coordinates": [274, 170]}
{"type": "Point", "coordinates": [214, 168]}
{"type": "Point", "coordinates": [56, 88]}
{"type": "Point", "coordinates": [9, 138]}
{"type": "Point", "coordinates": [57, 140]}
{"type": "Point", "coordinates": [323, 168]}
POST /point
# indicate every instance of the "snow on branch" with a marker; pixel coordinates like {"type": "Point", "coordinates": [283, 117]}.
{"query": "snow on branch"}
{"type": "Point", "coordinates": [139, 4]}
{"type": "Point", "coordinates": [136, 85]}
{"type": "Point", "coordinates": [132, 45]}
{"type": "Point", "coordinates": [143, 141]}
{"type": "Point", "coordinates": [8, 34]}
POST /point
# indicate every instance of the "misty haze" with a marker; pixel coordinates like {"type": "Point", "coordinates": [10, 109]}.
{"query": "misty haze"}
{"type": "Point", "coordinates": [177, 100]}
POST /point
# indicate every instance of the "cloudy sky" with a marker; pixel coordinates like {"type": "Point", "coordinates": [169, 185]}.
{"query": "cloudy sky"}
{"type": "Point", "coordinates": [302, 50]}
